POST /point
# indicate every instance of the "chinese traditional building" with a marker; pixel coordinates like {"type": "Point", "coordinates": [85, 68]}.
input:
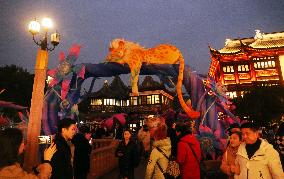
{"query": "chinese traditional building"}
{"type": "Point", "coordinates": [243, 63]}
{"type": "Point", "coordinates": [111, 98]}
{"type": "Point", "coordinates": [116, 97]}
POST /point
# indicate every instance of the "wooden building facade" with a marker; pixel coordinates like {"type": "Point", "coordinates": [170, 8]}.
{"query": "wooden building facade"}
{"type": "Point", "coordinates": [117, 97]}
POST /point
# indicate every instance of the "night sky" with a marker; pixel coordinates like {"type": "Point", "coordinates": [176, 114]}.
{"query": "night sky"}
{"type": "Point", "coordinates": [188, 24]}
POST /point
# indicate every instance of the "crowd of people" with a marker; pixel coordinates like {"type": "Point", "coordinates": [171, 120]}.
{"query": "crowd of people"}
{"type": "Point", "coordinates": [248, 154]}
{"type": "Point", "coordinates": [68, 157]}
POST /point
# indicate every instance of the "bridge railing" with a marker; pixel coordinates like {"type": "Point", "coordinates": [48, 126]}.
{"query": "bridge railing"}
{"type": "Point", "coordinates": [102, 159]}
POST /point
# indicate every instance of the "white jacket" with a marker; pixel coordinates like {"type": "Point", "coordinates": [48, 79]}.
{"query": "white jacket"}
{"type": "Point", "coordinates": [264, 164]}
{"type": "Point", "coordinates": [152, 170]}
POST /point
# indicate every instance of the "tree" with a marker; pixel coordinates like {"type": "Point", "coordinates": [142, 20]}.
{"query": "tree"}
{"type": "Point", "coordinates": [264, 105]}
{"type": "Point", "coordinates": [17, 84]}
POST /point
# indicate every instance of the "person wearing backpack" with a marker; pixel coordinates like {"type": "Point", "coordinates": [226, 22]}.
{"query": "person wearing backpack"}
{"type": "Point", "coordinates": [188, 152]}
{"type": "Point", "coordinates": [158, 162]}
{"type": "Point", "coordinates": [128, 155]}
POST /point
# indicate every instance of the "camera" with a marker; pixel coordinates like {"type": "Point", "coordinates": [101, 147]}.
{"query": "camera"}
{"type": "Point", "coordinates": [45, 139]}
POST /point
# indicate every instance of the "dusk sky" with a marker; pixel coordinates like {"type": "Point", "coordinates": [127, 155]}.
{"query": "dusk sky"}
{"type": "Point", "coordinates": [188, 24]}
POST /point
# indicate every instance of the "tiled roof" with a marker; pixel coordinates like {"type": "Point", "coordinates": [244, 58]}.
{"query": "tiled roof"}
{"type": "Point", "coordinates": [116, 90]}
{"type": "Point", "coordinates": [269, 41]}
{"type": "Point", "coordinates": [261, 41]}
{"type": "Point", "coordinates": [234, 46]}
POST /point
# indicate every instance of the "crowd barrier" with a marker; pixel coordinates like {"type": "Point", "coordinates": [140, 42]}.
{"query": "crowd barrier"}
{"type": "Point", "coordinates": [102, 159]}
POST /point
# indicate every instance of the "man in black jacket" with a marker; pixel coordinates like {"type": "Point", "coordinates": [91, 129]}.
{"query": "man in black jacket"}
{"type": "Point", "coordinates": [61, 161]}
{"type": "Point", "coordinates": [82, 153]}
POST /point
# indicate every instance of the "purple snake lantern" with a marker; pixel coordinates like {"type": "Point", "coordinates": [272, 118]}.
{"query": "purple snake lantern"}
{"type": "Point", "coordinates": [63, 93]}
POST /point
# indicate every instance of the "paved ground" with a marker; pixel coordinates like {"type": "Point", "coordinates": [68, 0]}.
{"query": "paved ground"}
{"type": "Point", "coordinates": [139, 172]}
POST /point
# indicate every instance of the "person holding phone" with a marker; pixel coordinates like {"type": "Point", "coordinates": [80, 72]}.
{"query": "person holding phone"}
{"type": "Point", "coordinates": [12, 146]}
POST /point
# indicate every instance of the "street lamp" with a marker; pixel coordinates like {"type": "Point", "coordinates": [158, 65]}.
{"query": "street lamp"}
{"type": "Point", "coordinates": [34, 124]}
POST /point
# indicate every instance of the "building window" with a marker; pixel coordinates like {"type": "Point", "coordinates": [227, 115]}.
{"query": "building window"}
{"type": "Point", "coordinates": [96, 102]}
{"type": "Point", "coordinates": [156, 99]}
{"type": "Point", "coordinates": [134, 100]}
{"type": "Point", "coordinates": [243, 68]}
{"type": "Point", "coordinates": [141, 122]}
{"type": "Point", "coordinates": [264, 64]}
{"type": "Point", "coordinates": [118, 102]}
{"type": "Point", "coordinates": [143, 100]}
{"type": "Point", "coordinates": [149, 100]}
{"type": "Point", "coordinates": [231, 94]}
{"type": "Point", "coordinates": [228, 69]}
{"type": "Point", "coordinates": [132, 127]}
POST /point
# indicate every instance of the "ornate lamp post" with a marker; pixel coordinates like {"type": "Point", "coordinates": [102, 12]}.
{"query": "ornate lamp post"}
{"type": "Point", "coordinates": [34, 125]}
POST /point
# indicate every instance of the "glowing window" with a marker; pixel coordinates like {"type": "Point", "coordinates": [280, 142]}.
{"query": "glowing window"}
{"type": "Point", "coordinates": [149, 100]}
{"type": "Point", "coordinates": [134, 100]}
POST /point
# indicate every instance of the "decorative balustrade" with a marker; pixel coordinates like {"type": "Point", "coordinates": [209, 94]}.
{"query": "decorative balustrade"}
{"type": "Point", "coordinates": [102, 159]}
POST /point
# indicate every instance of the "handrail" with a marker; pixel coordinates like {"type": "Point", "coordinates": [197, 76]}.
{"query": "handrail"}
{"type": "Point", "coordinates": [102, 158]}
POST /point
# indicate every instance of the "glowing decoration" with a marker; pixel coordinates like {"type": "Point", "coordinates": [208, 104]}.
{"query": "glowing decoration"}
{"type": "Point", "coordinates": [46, 23]}
{"type": "Point", "coordinates": [64, 71]}
{"type": "Point", "coordinates": [34, 27]}
{"type": "Point", "coordinates": [126, 52]}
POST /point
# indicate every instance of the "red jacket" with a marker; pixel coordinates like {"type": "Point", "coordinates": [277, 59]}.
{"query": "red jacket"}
{"type": "Point", "coordinates": [188, 164]}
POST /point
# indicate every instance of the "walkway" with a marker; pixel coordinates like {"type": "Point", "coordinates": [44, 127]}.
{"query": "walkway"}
{"type": "Point", "coordinates": [139, 172]}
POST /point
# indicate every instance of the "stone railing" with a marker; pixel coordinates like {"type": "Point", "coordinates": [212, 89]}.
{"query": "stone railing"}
{"type": "Point", "coordinates": [102, 157]}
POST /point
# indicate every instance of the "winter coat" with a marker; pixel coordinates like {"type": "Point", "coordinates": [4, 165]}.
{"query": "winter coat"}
{"type": "Point", "coordinates": [15, 172]}
{"type": "Point", "coordinates": [228, 159]}
{"type": "Point", "coordinates": [130, 155]}
{"type": "Point", "coordinates": [81, 162]}
{"type": "Point", "coordinates": [152, 170]}
{"type": "Point", "coordinates": [144, 137]}
{"type": "Point", "coordinates": [264, 164]}
{"type": "Point", "coordinates": [189, 166]}
{"type": "Point", "coordinates": [61, 161]}
{"type": "Point", "coordinates": [280, 147]}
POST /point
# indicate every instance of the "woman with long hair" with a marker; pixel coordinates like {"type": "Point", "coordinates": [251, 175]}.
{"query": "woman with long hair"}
{"type": "Point", "coordinates": [12, 146]}
{"type": "Point", "coordinates": [128, 155]}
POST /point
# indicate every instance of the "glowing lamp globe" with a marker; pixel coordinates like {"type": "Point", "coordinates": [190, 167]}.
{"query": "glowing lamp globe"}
{"type": "Point", "coordinates": [34, 27]}
{"type": "Point", "coordinates": [46, 23]}
{"type": "Point", "coordinates": [55, 38]}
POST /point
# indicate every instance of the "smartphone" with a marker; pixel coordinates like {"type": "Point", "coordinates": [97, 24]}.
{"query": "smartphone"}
{"type": "Point", "coordinates": [45, 139]}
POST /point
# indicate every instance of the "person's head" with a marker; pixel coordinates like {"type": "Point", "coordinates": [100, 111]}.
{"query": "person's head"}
{"type": "Point", "coordinates": [280, 131]}
{"type": "Point", "coordinates": [234, 128]}
{"type": "Point", "coordinates": [11, 145]}
{"type": "Point", "coordinates": [235, 139]}
{"type": "Point", "coordinates": [250, 132]}
{"type": "Point", "coordinates": [86, 131]}
{"type": "Point", "coordinates": [182, 129]}
{"type": "Point", "coordinates": [127, 133]}
{"type": "Point", "coordinates": [67, 128]}
{"type": "Point", "coordinates": [145, 128]}
{"type": "Point", "coordinates": [161, 132]}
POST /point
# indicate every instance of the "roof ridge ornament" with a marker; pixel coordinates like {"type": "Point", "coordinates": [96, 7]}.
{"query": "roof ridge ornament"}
{"type": "Point", "coordinates": [227, 41]}
{"type": "Point", "coordinates": [258, 34]}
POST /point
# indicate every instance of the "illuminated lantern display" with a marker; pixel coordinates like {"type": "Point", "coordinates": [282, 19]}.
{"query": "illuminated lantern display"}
{"type": "Point", "coordinates": [243, 63]}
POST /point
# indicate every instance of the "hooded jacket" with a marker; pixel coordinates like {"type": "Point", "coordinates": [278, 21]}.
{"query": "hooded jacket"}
{"type": "Point", "coordinates": [152, 170]}
{"type": "Point", "coordinates": [264, 164]}
{"type": "Point", "coordinates": [15, 171]}
{"type": "Point", "coordinates": [189, 166]}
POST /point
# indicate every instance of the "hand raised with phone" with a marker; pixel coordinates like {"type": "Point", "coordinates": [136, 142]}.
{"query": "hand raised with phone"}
{"type": "Point", "coordinates": [48, 152]}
